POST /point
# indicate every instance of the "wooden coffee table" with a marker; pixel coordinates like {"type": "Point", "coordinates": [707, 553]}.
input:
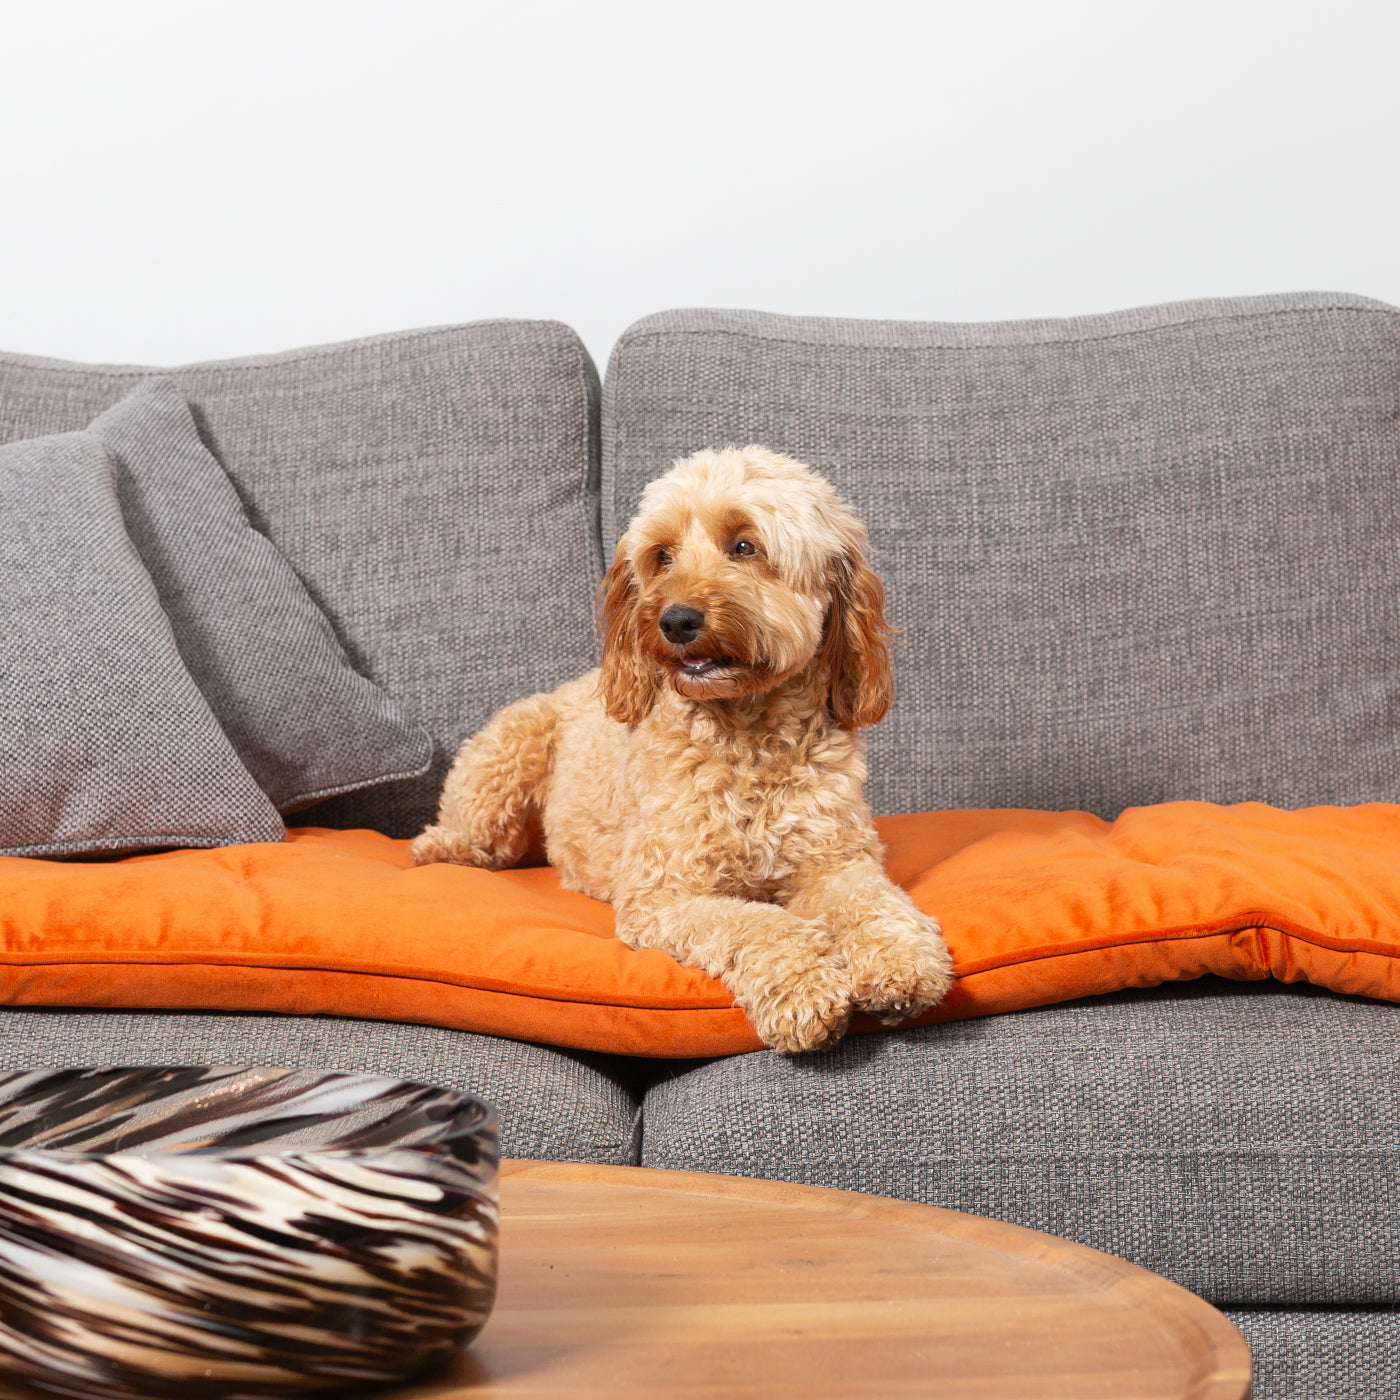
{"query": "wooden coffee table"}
{"type": "Point", "coordinates": [624, 1282]}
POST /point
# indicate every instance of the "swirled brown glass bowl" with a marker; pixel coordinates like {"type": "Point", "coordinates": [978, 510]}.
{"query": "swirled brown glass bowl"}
{"type": "Point", "coordinates": [227, 1232]}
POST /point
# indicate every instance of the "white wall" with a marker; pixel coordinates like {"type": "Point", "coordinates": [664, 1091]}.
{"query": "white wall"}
{"type": "Point", "coordinates": [184, 181]}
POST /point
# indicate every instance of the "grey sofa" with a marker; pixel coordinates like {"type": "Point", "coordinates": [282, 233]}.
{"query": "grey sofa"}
{"type": "Point", "coordinates": [1130, 558]}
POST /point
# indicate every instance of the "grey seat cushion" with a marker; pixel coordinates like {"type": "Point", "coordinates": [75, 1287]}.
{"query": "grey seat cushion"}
{"type": "Point", "coordinates": [1324, 1354]}
{"type": "Point", "coordinates": [553, 1104]}
{"type": "Point", "coordinates": [106, 743]}
{"type": "Point", "coordinates": [1130, 558]}
{"type": "Point", "coordinates": [1243, 1140]}
{"type": "Point", "coordinates": [436, 492]}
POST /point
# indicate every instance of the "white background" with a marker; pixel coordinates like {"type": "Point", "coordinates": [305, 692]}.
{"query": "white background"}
{"type": "Point", "coordinates": [187, 181]}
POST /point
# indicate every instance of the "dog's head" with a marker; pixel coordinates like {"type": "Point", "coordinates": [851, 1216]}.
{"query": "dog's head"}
{"type": "Point", "coordinates": [743, 568]}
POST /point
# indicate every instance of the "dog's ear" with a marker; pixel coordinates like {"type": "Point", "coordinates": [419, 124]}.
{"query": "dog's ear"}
{"type": "Point", "coordinates": [855, 653]}
{"type": "Point", "coordinates": [628, 682]}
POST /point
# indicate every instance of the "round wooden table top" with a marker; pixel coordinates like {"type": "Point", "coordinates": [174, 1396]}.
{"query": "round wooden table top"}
{"type": "Point", "coordinates": [619, 1281]}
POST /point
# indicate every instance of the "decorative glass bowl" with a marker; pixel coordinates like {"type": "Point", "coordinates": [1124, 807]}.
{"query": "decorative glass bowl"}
{"type": "Point", "coordinates": [193, 1233]}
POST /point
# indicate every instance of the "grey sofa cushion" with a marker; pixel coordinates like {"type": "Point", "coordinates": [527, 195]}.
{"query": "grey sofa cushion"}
{"type": "Point", "coordinates": [1130, 558]}
{"type": "Point", "coordinates": [553, 1104]}
{"type": "Point", "coordinates": [305, 723]}
{"type": "Point", "coordinates": [1243, 1140]}
{"type": "Point", "coordinates": [435, 491]}
{"type": "Point", "coordinates": [107, 744]}
{"type": "Point", "coordinates": [1324, 1354]}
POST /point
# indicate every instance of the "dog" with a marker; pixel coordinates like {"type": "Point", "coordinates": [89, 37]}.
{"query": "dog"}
{"type": "Point", "coordinates": [706, 780]}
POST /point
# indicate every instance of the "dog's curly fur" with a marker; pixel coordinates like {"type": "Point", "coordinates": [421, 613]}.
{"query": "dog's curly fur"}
{"type": "Point", "coordinates": [707, 780]}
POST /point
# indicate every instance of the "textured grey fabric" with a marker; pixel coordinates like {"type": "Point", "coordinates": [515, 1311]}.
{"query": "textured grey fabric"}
{"type": "Point", "coordinates": [1326, 1354]}
{"type": "Point", "coordinates": [105, 741]}
{"type": "Point", "coordinates": [1130, 558]}
{"type": "Point", "coordinates": [436, 492]}
{"type": "Point", "coordinates": [305, 723]}
{"type": "Point", "coordinates": [1241, 1140]}
{"type": "Point", "coordinates": [553, 1104]}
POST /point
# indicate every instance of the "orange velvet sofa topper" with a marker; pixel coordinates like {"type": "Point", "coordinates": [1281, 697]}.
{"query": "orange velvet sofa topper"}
{"type": "Point", "coordinates": [1038, 907]}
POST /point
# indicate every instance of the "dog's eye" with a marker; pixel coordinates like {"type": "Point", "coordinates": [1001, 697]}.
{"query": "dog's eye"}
{"type": "Point", "coordinates": [744, 549]}
{"type": "Point", "coordinates": [663, 558]}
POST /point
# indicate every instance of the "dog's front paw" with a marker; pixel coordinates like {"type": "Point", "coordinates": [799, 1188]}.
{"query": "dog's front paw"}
{"type": "Point", "coordinates": [807, 1011]}
{"type": "Point", "coordinates": [899, 968]}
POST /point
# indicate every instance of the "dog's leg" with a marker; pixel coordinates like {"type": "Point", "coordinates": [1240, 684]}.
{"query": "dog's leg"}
{"type": "Point", "coordinates": [779, 967]}
{"type": "Point", "coordinates": [490, 809]}
{"type": "Point", "coordinates": [899, 964]}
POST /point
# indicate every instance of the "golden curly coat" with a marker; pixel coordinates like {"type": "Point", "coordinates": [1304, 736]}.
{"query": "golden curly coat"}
{"type": "Point", "coordinates": [706, 781]}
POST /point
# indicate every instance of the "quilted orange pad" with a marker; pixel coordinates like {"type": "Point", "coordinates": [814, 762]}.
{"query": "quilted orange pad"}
{"type": "Point", "coordinates": [1038, 907]}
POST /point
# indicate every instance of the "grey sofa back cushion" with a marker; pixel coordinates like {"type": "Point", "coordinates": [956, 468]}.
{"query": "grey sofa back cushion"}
{"type": "Point", "coordinates": [1129, 558]}
{"type": "Point", "coordinates": [436, 492]}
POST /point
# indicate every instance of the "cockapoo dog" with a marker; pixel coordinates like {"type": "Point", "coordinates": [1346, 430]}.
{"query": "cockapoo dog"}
{"type": "Point", "coordinates": [706, 781]}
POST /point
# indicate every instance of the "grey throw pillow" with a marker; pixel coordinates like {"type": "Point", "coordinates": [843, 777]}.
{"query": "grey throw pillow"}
{"type": "Point", "coordinates": [107, 743]}
{"type": "Point", "coordinates": [305, 723]}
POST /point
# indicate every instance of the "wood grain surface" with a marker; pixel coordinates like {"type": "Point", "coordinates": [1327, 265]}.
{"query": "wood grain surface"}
{"type": "Point", "coordinates": [623, 1282]}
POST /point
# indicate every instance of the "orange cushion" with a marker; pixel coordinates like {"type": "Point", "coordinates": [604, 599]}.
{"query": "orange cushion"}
{"type": "Point", "coordinates": [1038, 907]}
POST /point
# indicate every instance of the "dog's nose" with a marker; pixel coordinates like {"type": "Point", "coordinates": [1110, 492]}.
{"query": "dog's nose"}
{"type": "Point", "coordinates": [681, 625]}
